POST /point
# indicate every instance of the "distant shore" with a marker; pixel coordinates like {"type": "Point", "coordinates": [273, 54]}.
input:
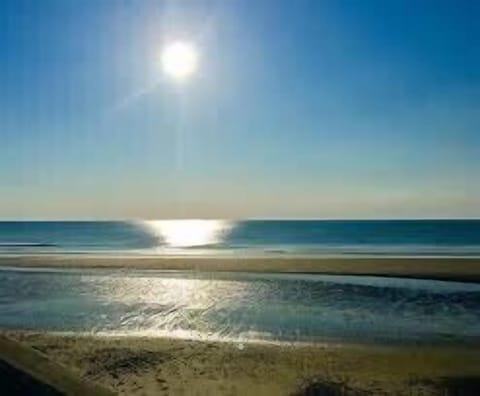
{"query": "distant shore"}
{"type": "Point", "coordinates": [163, 366]}
{"type": "Point", "coordinates": [453, 269]}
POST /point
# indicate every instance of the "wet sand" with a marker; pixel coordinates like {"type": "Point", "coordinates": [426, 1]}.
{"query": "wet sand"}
{"type": "Point", "coordinates": [160, 366]}
{"type": "Point", "coordinates": [458, 269]}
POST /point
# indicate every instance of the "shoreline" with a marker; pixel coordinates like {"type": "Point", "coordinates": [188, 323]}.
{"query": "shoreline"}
{"type": "Point", "coordinates": [448, 269]}
{"type": "Point", "coordinates": [161, 366]}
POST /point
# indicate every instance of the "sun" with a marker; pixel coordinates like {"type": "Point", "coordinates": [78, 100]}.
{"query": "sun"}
{"type": "Point", "coordinates": [179, 60]}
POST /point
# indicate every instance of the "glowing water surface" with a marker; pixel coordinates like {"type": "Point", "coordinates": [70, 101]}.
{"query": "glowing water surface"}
{"type": "Point", "coordinates": [188, 233]}
{"type": "Point", "coordinates": [241, 238]}
{"type": "Point", "coordinates": [240, 306]}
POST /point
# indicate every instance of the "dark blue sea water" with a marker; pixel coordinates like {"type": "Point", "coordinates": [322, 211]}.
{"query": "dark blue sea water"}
{"type": "Point", "coordinates": [251, 237]}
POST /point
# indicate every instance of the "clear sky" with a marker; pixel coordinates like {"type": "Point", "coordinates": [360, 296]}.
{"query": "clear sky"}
{"type": "Point", "coordinates": [325, 109]}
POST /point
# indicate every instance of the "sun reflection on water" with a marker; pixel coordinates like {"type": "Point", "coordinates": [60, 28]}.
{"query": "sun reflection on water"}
{"type": "Point", "coordinates": [168, 304]}
{"type": "Point", "coordinates": [189, 233]}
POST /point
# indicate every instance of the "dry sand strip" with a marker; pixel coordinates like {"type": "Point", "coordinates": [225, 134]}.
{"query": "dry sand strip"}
{"type": "Point", "coordinates": [454, 269]}
{"type": "Point", "coordinates": [26, 371]}
{"type": "Point", "coordinates": [160, 366]}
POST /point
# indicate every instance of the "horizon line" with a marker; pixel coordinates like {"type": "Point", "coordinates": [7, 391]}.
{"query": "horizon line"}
{"type": "Point", "coordinates": [79, 220]}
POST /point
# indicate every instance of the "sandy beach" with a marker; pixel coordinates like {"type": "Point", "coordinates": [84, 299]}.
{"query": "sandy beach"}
{"type": "Point", "coordinates": [239, 198]}
{"type": "Point", "coordinates": [133, 365]}
{"type": "Point", "coordinates": [458, 269]}
{"type": "Point", "coordinates": [161, 366]}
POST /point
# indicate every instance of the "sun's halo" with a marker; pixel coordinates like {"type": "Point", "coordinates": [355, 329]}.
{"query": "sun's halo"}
{"type": "Point", "coordinates": [179, 60]}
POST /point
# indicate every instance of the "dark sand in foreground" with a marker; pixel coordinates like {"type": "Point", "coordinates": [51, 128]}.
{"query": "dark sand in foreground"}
{"type": "Point", "coordinates": [26, 371]}
{"type": "Point", "coordinates": [459, 269]}
{"type": "Point", "coordinates": [159, 366]}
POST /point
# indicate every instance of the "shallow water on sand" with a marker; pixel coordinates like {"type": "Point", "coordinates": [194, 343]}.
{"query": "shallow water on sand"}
{"type": "Point", "coordinates": [240, 306]}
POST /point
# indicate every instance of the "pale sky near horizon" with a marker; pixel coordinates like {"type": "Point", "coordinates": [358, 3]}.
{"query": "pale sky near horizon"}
{"type": "Point", "coordinates": [320, 108]}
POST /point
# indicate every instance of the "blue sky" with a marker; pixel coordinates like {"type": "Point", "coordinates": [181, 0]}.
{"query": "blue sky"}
{"type": "Point", "coordinates": [324, 109]}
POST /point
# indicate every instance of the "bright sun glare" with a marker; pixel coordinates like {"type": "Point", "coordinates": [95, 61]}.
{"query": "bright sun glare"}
{"type": "Point", "coordinates": [187, 233]}
{"type": "Point", "coordinates": [179, 60]}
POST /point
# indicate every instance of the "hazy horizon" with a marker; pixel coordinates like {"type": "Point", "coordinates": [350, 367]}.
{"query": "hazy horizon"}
{"type": "Point", "coordinates": [306, 109]}
{"type": "Point", "coordinates": [237, 219]}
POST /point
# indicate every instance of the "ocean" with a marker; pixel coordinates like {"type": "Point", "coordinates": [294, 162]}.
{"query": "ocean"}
{"type": "Point", "coordinates": [435, 238]}
{"type": "Point", "coordinates": [241, 306]}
